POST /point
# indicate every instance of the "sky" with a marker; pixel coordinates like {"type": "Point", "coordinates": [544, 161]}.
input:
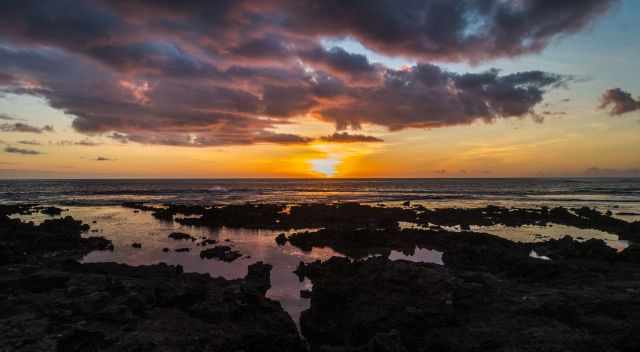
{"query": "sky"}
{"type": "Point", "coordinates": [284, 88]}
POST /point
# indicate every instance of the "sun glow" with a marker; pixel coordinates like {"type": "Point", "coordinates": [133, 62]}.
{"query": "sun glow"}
{"type": "Point", "coordinates": [326, 167]}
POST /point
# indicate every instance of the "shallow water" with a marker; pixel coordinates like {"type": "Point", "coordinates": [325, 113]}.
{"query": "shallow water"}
{"type": "Point", "coordinates": [125, 226]}
{"type": "Point", "coordinates": [620, 195]}
{"type": "Point", "coordinates": [421, 255]}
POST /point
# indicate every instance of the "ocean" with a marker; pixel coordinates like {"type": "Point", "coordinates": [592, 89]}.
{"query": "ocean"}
{"type": "Point", "coordinates": [622, 193]}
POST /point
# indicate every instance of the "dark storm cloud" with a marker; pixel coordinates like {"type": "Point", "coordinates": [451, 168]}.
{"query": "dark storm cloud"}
{"type": "Point", "coordinates": [24, 128]}
{"type": "Point", "coordinates": [200, 73]}
{"type": "Point", "coordinates": [29, 142]}
{"type": "Point", "coordinates": [446, 29]}
{"type": "Point", "coordinates": [619, 101]}
{"type": "Point", "coordinates": [351, 67]}
{"type": "Point", "coordinates": [350, 138]}
{"type": "Point", "coordinates": [426, 96]}
{"type": "Point", "coordinates": [210, 138]}
{"type": "Point", "coordinates": [14, 150]}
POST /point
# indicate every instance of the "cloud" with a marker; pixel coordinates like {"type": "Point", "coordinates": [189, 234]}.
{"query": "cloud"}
{"type": "Point", "coordinates": [29, 142]}
{"type": "Point", "coordinates": [230, 72]}
{"type": "Point", "coordinates": [6, 117]}
{"type": "Point", "coordinates": [425, 96]}
{"type": "Point", "coordinates": [620, 101]}
{"type": "Point", "coordinates": [14, 150]}
{"type": "Point", "coordinates": [604, 172]}
{"type": "Point", "coordinates": [85, 143]}
{"type": "Point", "coordinates": [349, 138]}
{"type": "Point", "coordinates": [101, 158]}
{"type": "Point", "coordinates": [24, 128]}
{"type": "Point", "coordinates": [446, 30]}
{"type": "Point", "coordinates": [348, 66]}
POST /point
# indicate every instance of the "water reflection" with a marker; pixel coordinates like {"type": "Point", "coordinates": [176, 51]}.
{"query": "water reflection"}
{"type": "Point", "coordinates": [124, 227]}
{"type": "Point", "coordinates": [420, 255]}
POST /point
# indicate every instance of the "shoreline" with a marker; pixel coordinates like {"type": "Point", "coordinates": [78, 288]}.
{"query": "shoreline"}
{"type": "Point", "coordinates": [476, 266]}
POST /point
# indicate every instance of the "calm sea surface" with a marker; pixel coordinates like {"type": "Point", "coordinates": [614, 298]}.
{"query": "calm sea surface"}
{"type": "Point", "coordinates": [96, 202]}
{"type": "Point", "coordinates": [623, 192]}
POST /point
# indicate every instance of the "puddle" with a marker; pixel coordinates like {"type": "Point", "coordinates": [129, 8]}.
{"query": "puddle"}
{"type": "Point", "coordinates": [420, 255]}
{"type": "Point", "coordinates": [533, 233]}
{"type": "Point", "coordinates": [534, 254]}
{"type": "Point", "coordinates": [124, 227]}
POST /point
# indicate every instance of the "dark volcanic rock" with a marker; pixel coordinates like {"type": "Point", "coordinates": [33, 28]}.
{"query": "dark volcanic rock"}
{"type": "Point", "coordinates": [425, 307]}
{"type": "Point", "coordinates": [51, 211]}
{"type": "Point", "coordinates": [114, 307]}
{"type": "Point", "coordinates": [281, 239]}
{"type": "Point", "coordinates": [208, 242]}
{"type": "Point", "coordinates": [20, 241]}
{"type": "Point", "coordinates": [631, 254]}
{"type": "Point", "coordinates": [181, 236]}
{"type": "Point", "coordinates": [224, 253]}
{"type": "Point", "coordinates": [259, 277]}
{"type": "Point", "coordinates": [568, 248]}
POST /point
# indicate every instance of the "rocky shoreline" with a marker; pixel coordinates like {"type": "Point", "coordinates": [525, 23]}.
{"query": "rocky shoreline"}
{"type": "Point", "coordinates": [50, 302]}
{"type": "Point", "coordinates": [491, 294]}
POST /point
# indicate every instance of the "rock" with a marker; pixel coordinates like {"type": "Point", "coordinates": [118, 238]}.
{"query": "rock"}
{"type": "Point", "coordinates": [306, 294]}
{"type": "Point", "coordinates": [51, 211]}
{"type": "Point", "coordinates": [259, 277]}
{"type": "Point", "coordinates": [224, 253]}
{"type": "Point", "coordinates": [79, 340]}
{"type": "Point", "coordinates": [115, 307]}
{"type": "Point", "coordinates": [382, 305]}
{"type": "Point", "coordinates": [136, 245]}
{"type": "Point", "coordinates": [180, 250]}
{"type": "Point", "coordinates": [631, 254]}
{"type": "Point", "coordinates": [281, 239]}
{"type": "Point", "coordinates": [181, 236]}
{"type": "Point", "coordinates": [208, 242]}
{"type": "Point", "coordinates": [567, 248]}
{"type": "Point", "coordinates": [165, 249]}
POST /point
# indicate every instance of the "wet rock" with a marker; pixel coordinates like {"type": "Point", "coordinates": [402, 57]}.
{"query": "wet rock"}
{"type": "Point", "coordinates": [79, 340]}
{"type": "Point", "coordinates": [224, 253]}
{"type": "Point", "coordinates": [51, 211]}
{"type": "Point", "coordinates": [208, 242]}
{"type": "Point", "coordinates": [181, 236]}
{"type": "Point", "coordinates": [259, 277]}
{"type": "Point", "coordinates": [400, 305]}
{"type": "Point", "coordinates": [631, 254]}
{"type": "Point", "coordinates": [115, 307]}
{"type": "Point", "coordinates": [568, 248]}
{"type": "Point", "coordinates": [281, 239]}
{"type": "Point", "coordinates": [61, 238]}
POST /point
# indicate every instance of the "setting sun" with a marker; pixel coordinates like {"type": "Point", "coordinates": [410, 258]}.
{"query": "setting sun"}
{"type": "Point", "coordinates": [326, 167]}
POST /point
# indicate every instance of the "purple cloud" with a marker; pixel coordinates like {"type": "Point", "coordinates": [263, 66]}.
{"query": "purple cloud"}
{"type": "Point", "coordinates": [621, 102]}
{"type": "Point", "coordinates": [229, 72]}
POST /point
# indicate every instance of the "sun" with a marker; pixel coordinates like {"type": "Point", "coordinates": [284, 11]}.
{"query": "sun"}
{"type": "Point", "coordinates": [326, 166]}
